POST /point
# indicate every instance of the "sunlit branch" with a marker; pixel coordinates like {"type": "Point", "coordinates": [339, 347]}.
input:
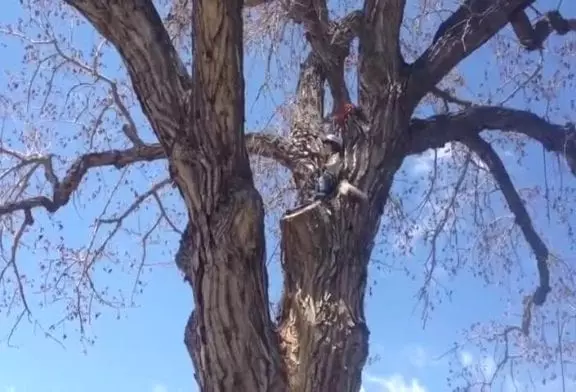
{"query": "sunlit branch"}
{"type": "Point", "coordinates": [307, 118]}
{"type": "Point", "coordinates": [275, 147]}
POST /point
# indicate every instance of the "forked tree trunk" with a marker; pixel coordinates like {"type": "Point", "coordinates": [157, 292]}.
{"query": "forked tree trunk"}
{"type": "Point", "coordinates": [321, 339]}
{"type": "Point", "coordinates": [320, 342]}
{"type": "Point", "coordinates": [325, 254]}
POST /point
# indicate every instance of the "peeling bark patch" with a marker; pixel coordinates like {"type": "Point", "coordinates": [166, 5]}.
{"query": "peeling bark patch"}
{"type": "Point", "coordinates": [321, 308]}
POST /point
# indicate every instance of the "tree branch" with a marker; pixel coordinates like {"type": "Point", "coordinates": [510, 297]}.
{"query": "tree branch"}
{"type": "Point", "coordinates": [447, 97]}
{"type": "Point", "coordinates": [265, 145]}
{"type": "Point", "coordinates": [307, 119]}
{"type": "Point", "coordinates": [381, 34]}
{"type": "Point", "coordinates": [62, 190]}
{"type": "Point", "coordinates": [487, 154]}
{"type": "Point", "coordinates": [465, 127]}
{"type": "Point", "coordinates": [340, 36]}
{"type": "Point", "coordinates": [275, 147]}
{"type": "Point", "coordinates": [310, 91]}
{"type": "Point", "coordinates": [312, 14]}
{"type": "Point", "coordinates": [330, 40]}
{"type": "Point", "coordinates": [468, 28]}
{"type": "Point", "coordinates": [157, 72]}
{"type": "Point", "coordinates": [532, 38]}
{"type": "Point", "coordinates": [436, 131]}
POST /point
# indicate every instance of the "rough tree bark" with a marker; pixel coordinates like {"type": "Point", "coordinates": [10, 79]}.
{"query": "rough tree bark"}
{"type": "Point", "coordinates": [320, 341]}
{"type": "Point", "coordinates": [231, 324]}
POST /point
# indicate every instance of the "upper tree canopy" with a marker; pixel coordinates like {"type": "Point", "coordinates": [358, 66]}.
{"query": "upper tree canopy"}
{"type": "Point", "coordinates": [471, 148]}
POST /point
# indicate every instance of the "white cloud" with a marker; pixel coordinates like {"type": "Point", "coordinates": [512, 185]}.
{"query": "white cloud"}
{"type": "Point", "coordinates": [159, 388]}
{"type": "Point", "coordinates": [417, 356]}
{"type": "Point", "coordinates": [424, 163]}
{"type": "Point", "coordinates": [513, 385]}
{"type": "Point", "coordinates": [466, 358]}
{"type": "Point", "coordinates": [488, 367]}
{"type": "Point", "coordinates": [10, 389]}
{"type": "Point", "coordinates": [481, 369]}
{"type": "Point", "coordinates": [395, 383]}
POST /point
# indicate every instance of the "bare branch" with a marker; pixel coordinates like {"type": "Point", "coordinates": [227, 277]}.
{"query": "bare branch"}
{"type": "Point", "coordinates": [144, 243]}
{"type": "Point", "coordinates": [432, 260]}
{"type": "Point", "coordinates": [465, 127]}
{"type": "Point", "coordinates": [468, 28]}
{"type": "Point", "coordinates": [164, 214]}
{"type": "Point", "coordinates": [271, 146]}
{"type": "Point", "coordinates": [12, 262]}
{"type": "Point", "coordinates": [532, 38]}
{"type": "Point", "coordinates": [438, 130]}
{"type": "Point", "coordinates": [136, 203]}
{"type": "Point", "coordinates": [447, 97]}
{"type": "Point", "coordinates": [118, 220]}
{"type": "Point", "coordinates": [157, 72]}
{"type": "Point", "coordinates": [62, 190]}
{"type": "Point", "coordinates": [487, 154]}
{"type": "Point", "coordinates": [265, 145]}
{"type": "Point", "coordinates": [129, 130]}
{"type": "Point", "coordinates": [313, 14]}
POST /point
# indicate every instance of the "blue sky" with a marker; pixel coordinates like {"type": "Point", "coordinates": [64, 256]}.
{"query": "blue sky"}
{"type": "Point", "coordinates": [139, 348]}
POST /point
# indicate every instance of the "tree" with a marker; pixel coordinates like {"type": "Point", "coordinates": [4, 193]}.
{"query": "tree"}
{"type": "Point", "coordinates": [320, 338]}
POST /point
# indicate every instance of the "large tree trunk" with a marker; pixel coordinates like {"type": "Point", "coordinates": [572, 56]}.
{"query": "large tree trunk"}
{"type": "Point", "coordinates": [326, 249]}
{"type": "Point", "coordinates": [323, 328]}
{"type": "Point", "coordinates": [320, 342]}
{"type": "Point", "coordinates": [230, 335]}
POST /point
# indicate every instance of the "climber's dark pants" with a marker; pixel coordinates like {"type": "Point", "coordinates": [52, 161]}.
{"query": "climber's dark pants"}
{"type": "Point", "coordinates": [325, 185]}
